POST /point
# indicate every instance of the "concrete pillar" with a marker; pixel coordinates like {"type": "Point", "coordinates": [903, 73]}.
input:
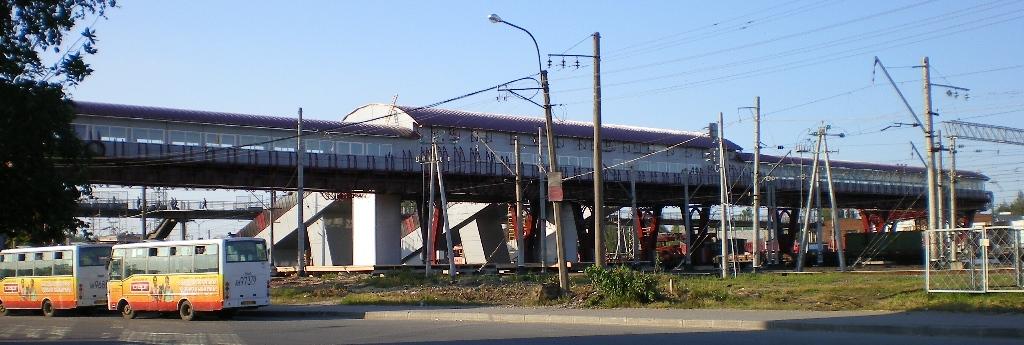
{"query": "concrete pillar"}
{"type": "Point", "coordinates": [568, 232]}
{"type": "Point", "coordinates": [376, 229]}
{"type": "Point", "coordinates": [480, 228]}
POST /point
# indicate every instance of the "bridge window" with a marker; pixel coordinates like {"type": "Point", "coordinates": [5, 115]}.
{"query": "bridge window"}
{"type": "Point", "coordinates": [568, 161]}
{"type": "Point", "coordinates": [82, 131]}
{"type": "Point", "coordinates": [326, 146]}
{"type": "Point", "coordinates": [344, 148]}
{"type": "Point", "coordinates": [661, 167]}
{"type": "Point", "coordinates": [184, 138]}
{"type": "Point", "coordinates": [253, 142]}
{"type": "Point", "coordinates": [149, 136]}
{"type": "Point", "coordinates": [357, 149]}
{"type": "Point", "coordinates": [309, 145]}
{"type": "Point", "coordinates": [586, 162]}
{"type": "Point", "coordinates": [385, 149]}
{"type": "Point", "coordinates": [110, 133]}
{"type": "Point", "coordinates": [372, 149]}
{"type": "Point", "coordinates": [288, 145]}
{"type": "Point", "coordinates": [220, 140]}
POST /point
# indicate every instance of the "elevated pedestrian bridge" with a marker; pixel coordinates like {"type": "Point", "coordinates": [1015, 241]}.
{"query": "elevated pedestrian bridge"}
{"type": "Point", "coordinates": [374, 159]}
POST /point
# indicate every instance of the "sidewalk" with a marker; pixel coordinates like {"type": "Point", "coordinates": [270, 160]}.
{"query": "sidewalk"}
{"type": "Point", "coordinates": [903, 323]}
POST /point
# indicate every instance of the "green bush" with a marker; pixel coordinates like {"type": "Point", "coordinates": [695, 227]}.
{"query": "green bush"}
{"type": "Point", "coordinates": [624, 284]}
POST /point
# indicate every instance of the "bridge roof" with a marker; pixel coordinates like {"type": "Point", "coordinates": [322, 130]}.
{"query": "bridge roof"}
{"type": "Point", "coordinates": [219, 118]}
{"type": "Point", "coordinates": [770, 159]}
{"type": "Point", "coordinates": [563, 128]}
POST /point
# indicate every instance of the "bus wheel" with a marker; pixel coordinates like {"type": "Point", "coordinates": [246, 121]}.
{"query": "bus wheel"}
{"type": "Point", "coordinates": [48, 309]}
{"type": "Point", "coordinates": [3, 310]}
{"type": "Point", "coordinates": [186, 311]}
{"type": "Point", "coordinates": [126, 310]}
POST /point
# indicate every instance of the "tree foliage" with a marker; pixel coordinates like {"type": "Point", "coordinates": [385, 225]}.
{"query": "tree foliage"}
{"type": "Point", "coordinates": [42, 162]}
{"type": "Point", "coordinates": [1016, 207]}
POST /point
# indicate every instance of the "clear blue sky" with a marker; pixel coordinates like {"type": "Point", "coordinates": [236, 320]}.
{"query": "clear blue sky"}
{"type": "Point", "coordinates": [666, 64]}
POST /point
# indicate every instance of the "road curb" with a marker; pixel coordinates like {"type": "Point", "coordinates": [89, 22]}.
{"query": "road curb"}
{"type": "Point", "coordinates": [742, 325]}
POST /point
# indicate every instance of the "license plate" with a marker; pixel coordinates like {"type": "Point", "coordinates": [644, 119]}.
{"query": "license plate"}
{"type": "Point", "coordinates": [101, 302]}
{"type": "Point", "coordinates": [248, 302]}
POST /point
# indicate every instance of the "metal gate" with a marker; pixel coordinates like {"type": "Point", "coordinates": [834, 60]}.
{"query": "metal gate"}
{"type": "Point", "coordinates": [977, 260]}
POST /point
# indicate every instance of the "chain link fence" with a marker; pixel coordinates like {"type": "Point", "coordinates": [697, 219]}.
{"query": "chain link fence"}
{"type": "Point", "coordinates": [976, 260]}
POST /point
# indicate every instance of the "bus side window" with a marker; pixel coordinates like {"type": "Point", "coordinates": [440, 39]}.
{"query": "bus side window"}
{"type": "Point", "coordinates": [62, 264]}
{"type": "Point", "coordinates": [25, 266]}
{"type": "Point", "coordinates": [115, 269]}
{"type": "Point", "coordinates": [6, 266]}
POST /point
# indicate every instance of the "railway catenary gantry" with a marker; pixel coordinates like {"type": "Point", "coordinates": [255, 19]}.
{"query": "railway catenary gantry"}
{"type": "Point", "coordinates": [379, 148]}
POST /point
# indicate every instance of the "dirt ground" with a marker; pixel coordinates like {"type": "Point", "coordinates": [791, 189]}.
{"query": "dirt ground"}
{"type": "Point", "coordinates": [467, 290]}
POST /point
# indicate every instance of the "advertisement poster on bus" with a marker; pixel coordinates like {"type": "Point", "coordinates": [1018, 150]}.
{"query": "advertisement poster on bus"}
{"type": "Point", "coordinates": [24, 292]}
{"type": "Point", "coordinates": [163, 292]}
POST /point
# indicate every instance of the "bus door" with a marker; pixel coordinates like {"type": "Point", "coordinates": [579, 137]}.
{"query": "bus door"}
{"type": "Point", "coordinates": [114, 286]}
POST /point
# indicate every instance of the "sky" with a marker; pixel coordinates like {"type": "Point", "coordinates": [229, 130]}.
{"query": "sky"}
{"type": "Point", "coordinates": [664, 64]}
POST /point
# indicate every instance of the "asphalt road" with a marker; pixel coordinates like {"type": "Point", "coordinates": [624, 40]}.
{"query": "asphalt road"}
{"type": "Point", "coordinates": [152, 329]}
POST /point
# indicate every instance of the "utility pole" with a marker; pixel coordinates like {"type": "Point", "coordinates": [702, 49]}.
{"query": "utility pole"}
{"type": "Point", "coordinates": [929, 135]}
{"type": "Point", "coordinates": [599, 247]}
{"type": "Point", "coordinates": [757, 183]}
{"type": "Point", "coordinates": [444, 212]}
{"type": "Point", "coordinates": [432, 207]}
{"type": "Point", "coordinates": [520, 255]}
{"type": "Point", "coordinates": [635, 216]}
{"type": "Point", "coordinates": [143, 209]}
{"type": "Point", "coordinates": [952, 183]}
{"type": "Point", "coordinates": [301, 268]}
{"type": "Point", "coordinates": [723, 182]}
{"type": "Point", "coordinates": [270, 247]}
{"type": "Point", "coordinates": [814, 182]}
{"type": "Point", "coordinates": [543, 201]}
{"type": "Point", "coordinates": [837, 235]}
{"type": "Point", "coordinates": [599, 258]}
{"type": "Point", "coordinates": [555, 184]}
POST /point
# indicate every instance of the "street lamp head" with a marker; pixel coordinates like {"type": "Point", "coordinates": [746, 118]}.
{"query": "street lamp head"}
{"type": "Point", "coordinates": [494, 18]}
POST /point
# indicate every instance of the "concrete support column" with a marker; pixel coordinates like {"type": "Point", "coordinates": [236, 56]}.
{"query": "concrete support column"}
{"type": "Point", "coordinates": [376, 229]}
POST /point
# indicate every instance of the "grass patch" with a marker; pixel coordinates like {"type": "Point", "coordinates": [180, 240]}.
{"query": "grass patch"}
{"type": "Point", "coordinates": [402, 277]}
{"type": "Point", "coordinates": [621, 287]}
{"type": "Point", "coordinates": [371, 299]}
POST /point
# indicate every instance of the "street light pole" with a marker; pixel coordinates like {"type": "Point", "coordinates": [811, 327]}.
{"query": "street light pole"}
{"type": "Point", "coordinates": [555, 177]}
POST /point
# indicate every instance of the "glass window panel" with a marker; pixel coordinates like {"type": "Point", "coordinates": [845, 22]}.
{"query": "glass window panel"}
{"type": "Point", "coordinates": [344, 148]}
{"type": "Point", "coordinates": [119, 134]}
{"type": "Point", "coordinates": [63, 267]}
{"type": "Point", "coordinates": [82, 131]}
{"type": "Point", "coordinates": [252, 142]}
{"type": "Point", "coordinates": [372, 149]}
{"type": "Point", "coordinates": [212, 139]}
{"type": "Point", "coordinates": [246, 251]}
{"type": "Point", "coordinates": [192, 138]}
{"type": "Point", "coordinates": [115, 269]}
{"type": "Point", "coordinates": [586, 162]}
{"type": "Point", "coordinates": [43, 268]}
{"type": "Point", "coordinates": [176, 137]}
{"type": "Point", "coordinates": [156, 136]}
{"type": "Point", "coordinates": [99, 132]}
{"type": "Point", "coordinates": [385, 150]}
{"type": "Point", "coordinates": [158, 264]}
{"type": "Point", "coordinates": [357, 148]}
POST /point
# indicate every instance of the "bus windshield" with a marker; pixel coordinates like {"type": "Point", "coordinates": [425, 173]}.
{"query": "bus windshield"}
{"type": "Point", "coordinates": [93, 256]}
{"type": "Point", "coordinates": [246, 251]}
